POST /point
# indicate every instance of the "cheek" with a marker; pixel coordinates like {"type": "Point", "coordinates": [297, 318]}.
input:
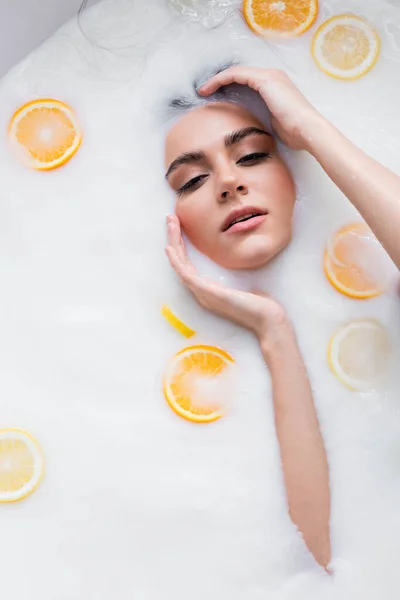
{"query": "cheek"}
{"type": "Point", "coordinates": [282, 192]}
{"type": "Point", "coordinates": [193, 213]}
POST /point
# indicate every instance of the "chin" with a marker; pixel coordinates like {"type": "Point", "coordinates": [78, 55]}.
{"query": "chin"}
{"type": "Point", "coordinates": [256, 255]}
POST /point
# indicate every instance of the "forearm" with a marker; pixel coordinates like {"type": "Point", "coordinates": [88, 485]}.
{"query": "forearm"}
{"type": "Point", "coordinates": [372, 188]}
{"type": "Point", "coordinates": [302, 449]}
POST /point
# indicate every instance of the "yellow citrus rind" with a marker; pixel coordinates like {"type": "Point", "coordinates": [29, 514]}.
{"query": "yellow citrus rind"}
{"type": "Point", "coordinates": [21, 464]}
{"type": "Point", "coordinates": [179, 325]}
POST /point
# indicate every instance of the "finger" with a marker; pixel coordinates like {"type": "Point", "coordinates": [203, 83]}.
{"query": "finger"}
{"type": "Point", "coordinates": [176, 262]}
{"type": "Point", "coordinates": [174, 233]}
{"type": "Point", "coordinates": [186, 271]}
{"type": "Point", "coordinates": [244, 75]}
{"type": "Point", "coordinates": [175, 236]}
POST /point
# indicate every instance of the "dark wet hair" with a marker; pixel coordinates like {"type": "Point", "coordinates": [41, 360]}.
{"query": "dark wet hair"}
{"type": "Point", "coordinates": [193, 100]}
{"type": "Point", "coordinates": [238, 94]}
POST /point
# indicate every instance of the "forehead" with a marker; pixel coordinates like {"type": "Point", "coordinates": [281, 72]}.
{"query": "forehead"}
{"type": "Point", "coordinates": [206, 125]}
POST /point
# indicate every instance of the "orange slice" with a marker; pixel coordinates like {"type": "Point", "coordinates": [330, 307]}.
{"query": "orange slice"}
{"type": "Point", "coordinates": [355, 263]}
{"type": "Point", "coordinates": [192, 384]}
{"type": "Point", "coordinates": [345, 47]}
{"type": "Point", "coordinates": [280, 18]}
{"type": "Point", "coordinates": [21, 464]}
{"type": "Point", "coordinates": [45, 134]}
{"type": "Point", "coordinates": [179, 325]}
{"type": "Point", "coordinates": [359, 354]}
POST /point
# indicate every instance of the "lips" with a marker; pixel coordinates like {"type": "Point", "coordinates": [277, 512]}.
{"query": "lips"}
{"type": "Point", "coordinates": [243, 219]}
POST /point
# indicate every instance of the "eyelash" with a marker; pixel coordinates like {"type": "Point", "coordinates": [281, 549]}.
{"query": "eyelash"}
{"type": "Point", "coordinates": [247, 161]}
{"type": "Point", "coordinates": [253, 158]}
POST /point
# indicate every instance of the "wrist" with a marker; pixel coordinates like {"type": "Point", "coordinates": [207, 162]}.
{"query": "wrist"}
{"type": "Point", "coordinates": [276, 341]}
{"type": "Point", "coordinates": [313, 131]}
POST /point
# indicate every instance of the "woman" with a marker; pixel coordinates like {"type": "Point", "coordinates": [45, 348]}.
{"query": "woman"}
{"type": "Point", "coordinates": [235, 200]}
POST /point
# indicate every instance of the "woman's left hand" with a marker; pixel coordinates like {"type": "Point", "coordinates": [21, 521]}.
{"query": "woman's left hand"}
{"type": "Point", "coordinates": [256, 312]}
{"type": "Point", "coordinates": [293, 118]}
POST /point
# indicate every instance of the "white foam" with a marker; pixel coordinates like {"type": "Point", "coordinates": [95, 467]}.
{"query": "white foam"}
{"type": "Point", "coordinates": [136, 502]}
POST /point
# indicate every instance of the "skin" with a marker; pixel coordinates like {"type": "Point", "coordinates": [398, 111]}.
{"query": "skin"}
{"type": "Point", "coordinates": [229, 173]}
{"type": "Point", "coordinates": [375, 192]}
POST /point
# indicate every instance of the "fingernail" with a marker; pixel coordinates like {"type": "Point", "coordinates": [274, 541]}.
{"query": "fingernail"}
{"type": "Point", "coordinates": [169, 219]}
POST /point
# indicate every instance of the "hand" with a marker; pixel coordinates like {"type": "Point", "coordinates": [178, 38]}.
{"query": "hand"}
{"type": "Point", "coordinates": [293, 118]}
{"type": "Point", "coordinates": [256, 312]}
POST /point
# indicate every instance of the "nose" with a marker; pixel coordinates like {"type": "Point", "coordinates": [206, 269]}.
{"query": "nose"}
{"type": "Point", "coordinates": [231, 184]}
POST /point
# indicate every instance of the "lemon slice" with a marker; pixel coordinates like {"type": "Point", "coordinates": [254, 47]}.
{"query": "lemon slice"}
{"type": "Point", "coordinates": [359, 354]}
{"type": "Point", "coordinates": [179, 325]}
{"type": "Point", "coordinates": [194, 383]}
{"type": "Point", "coordinates": [280, 18]}
{"type": "Point", "coordinates": [345, 46]}
{"type": "Point", "coordinates": [21, 464]}
{"type": "Point", "coordinates": [45, 134]}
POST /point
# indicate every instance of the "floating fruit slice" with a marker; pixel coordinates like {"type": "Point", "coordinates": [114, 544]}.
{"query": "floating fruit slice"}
{"type": "Point", "coordinates": [282, 18]}
{"type": "Point", "coordinates": [355, 263]}
{"type": "Point", "coordinates": [192, 384]}
{"type": "Point", "coordinates": [345, 46]}
{"type": "Point", "coordinates": [45, 134]}
{"type": "Point", "coordinates": [21, 464]}
{"type": "Point", "coordinates": [359, 354]}
{"type": "Point", "coordinates": [179, 325]}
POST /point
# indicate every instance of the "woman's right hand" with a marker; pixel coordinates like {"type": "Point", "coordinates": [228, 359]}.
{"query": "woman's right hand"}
{"type": "Point", "coordinates": [256, 312]}
{"type": "Point", "coordinates": [293, 118]}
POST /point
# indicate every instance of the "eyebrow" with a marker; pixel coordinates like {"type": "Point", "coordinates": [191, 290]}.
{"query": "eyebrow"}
{"type": "Point", "coordinates": [188, 158]}
{"type": "Point", "coordinates": [237, 136]}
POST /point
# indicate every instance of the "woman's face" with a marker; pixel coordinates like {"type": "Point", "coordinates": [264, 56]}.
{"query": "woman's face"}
{"type": "Point", "coordinates": [234, 194]}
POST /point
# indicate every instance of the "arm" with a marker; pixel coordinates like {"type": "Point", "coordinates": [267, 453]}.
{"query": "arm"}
{"type": "Point", "coordinates": [304, 463]}
{"type": "Point", "coordinates": [370, 187]}
{"type": "Point", "coordinates": [302, 450]}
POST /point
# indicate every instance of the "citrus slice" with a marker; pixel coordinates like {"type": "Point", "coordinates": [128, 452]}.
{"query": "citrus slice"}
{"type": "Point", "coordinates": [345, 46]}
{"type": "Point", "coordinates": [280, 18]}
{"type": "Point", "coordinates": [179, 325]}
{"type": "Point", "coordinates": [45, 133]}
{"type": "Point", "coordinates": [355, 263]}
{"type": "Point", "coordinates": [192, 384]}
{"type": "Point", "coordinates": [359, 354]}
{"type": "Point", "coordinates": [21, 464]}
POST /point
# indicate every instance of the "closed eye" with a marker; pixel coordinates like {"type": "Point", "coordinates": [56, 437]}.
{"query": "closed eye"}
{"type": "Point", "coordinates": [192, 184]}
{"type": "Point", "coordinates": [252, 159]}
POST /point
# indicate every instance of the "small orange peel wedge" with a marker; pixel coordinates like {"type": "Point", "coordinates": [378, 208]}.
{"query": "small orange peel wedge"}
{"type": "Point", "coordinates": [353, 262]}
{"type": "Point", "coordinates": [21, 464]}
{"type": "Point", "coordinates": [280, 18]}
{"type": "Point", "coordinates": [192, 383]}
{"type": "Point", "coordinates": [175, 322]}
{"type": "Point", "coordinates": [45, 134]}
{"type": "Point", "coordinates": [359, 354]}
{"type": "Point", "coordinates": [345, 46]}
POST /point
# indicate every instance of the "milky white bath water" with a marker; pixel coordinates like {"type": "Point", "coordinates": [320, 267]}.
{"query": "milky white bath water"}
{"type": "Point", "coordinates": [136, 502]}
